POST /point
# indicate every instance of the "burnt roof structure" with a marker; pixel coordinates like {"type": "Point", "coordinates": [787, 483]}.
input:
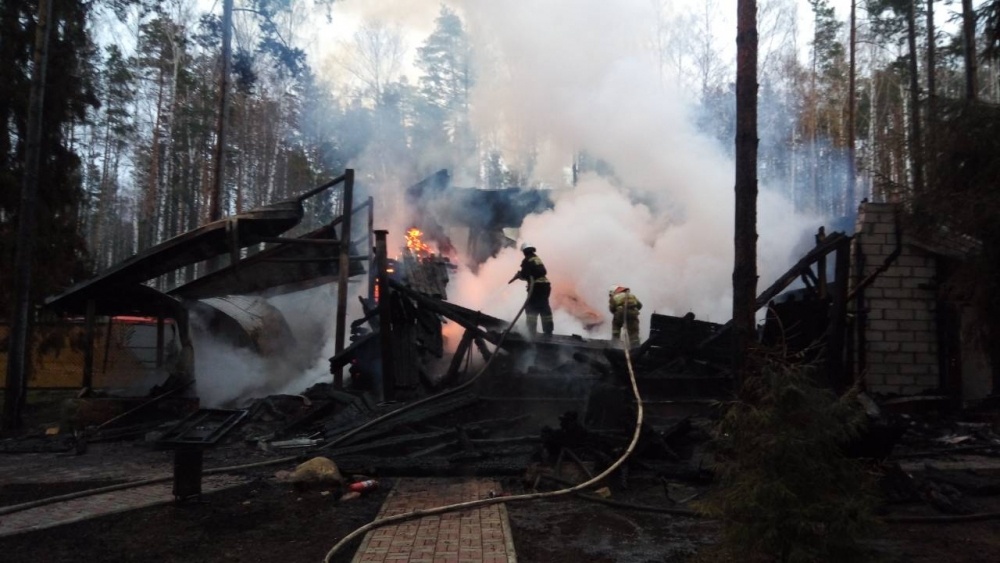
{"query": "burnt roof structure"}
{"type": "Point", "coordinates": [208, 241]}
{"type": "Point", "coordinates": [290, 264]}
{"type": "Point", "coordinates": [304, 263]}
{"type": "Point", "coordinates": [437, 205]}
{"type": "Point", "coordinates": [121, 290]}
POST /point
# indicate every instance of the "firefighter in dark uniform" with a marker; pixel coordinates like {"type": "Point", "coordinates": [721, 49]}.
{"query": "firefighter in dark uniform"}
{"type": "Point", "coordinates": [532, 269]}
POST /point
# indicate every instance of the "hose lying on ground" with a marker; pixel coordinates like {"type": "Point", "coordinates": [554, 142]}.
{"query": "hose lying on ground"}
{"type": "Point", "coordinates": [514, 498]}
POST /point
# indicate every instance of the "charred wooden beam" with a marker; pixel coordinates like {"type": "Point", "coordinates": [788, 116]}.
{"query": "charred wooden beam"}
{"type": "Point", "coordinates": [339, 361]}
{"type": "Point", "coordinates": [385, 317]}
{"type": "Point", "coordinates": [266, 269]}
{"type": "Point", "coordinates": [456, 361]}
{"type": "Point", "coordinates": [394, 443]}
{"type": "Point", "coordinates": [321, 188]}
{"type": "Point", "coordinates": [463, 438]}
{"type": "Point", "coordinates": [307, 241]}
{"type": "Point", "coordinates": [820, 267]}
{"type": "Point", "coordinates": [433, 449]}
{"type": "Point", "coordinates": [812, 282]}
{"type": "Point", "coordinates": [144, 405]}
{"type": "Point", "coordinates": [310, 259]}
{"type": "Point", "coordinates": [159, 342]}
{"type": "Point", "coordinates": [320, 410]}
{"type": "Point", "coordinates": [829, 244]}
{"type": "Point", "coordinates": [468, 319]}
{"type": "Point", "coordinates": [88, 351]}
{"type": "Point", "coordinates": [205, 242]}
{"type": "Point", "coordinates": [345, 264]}
{"type": "Point", "coordinates": [487, 442]}
{"type": "Point", "coordinates": [838, 320]}
{"type": "Point", "coordinates": [482, 348]}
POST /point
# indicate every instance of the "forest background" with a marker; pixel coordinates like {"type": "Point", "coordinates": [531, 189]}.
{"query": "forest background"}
{"type": "Point", "coordinates": [132, 106]}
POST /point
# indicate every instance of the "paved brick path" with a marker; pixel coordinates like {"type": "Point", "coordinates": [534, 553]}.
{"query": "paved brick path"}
{"type": "Point", "coordinates": [480, 535]}
{"type": "Point", "coordinates": [98, 464]}
{"type": "Point", "coordinates": [64, 512]}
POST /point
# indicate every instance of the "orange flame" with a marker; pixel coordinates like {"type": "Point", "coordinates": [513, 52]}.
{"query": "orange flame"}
{"type": "Point", "coordinates": [414, 243]}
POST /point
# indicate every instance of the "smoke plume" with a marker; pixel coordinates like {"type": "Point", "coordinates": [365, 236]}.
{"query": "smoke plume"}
{"type": "Point", "coordinates": [574, 76]}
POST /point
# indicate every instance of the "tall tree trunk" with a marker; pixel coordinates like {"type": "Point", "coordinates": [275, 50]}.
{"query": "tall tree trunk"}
{"type": "Point", "coordinates": [851, 108]}
{"type": "Point", "coordinates": [813, 126]}
{"type": "Point", "coordinates": [147, 226]}
{"type": "Point", "coordinates": [916, 144]}
{"type": "Point", "coordinates": [745, 232]}
{"type": "Point", "coordinates": [931, 67]}
{"type": "Point", "coordinates": [100, 216]}
{"type": "Point", "coordinates": [20, 333]}
{"type": "Point", "coordinates": [215, 204]}
{"type": "Point", "coordinates": [871, 154]}
{"type": "Point", "coordinates": [931, 90]}
{"type": "Point", "coordinates": [969, 42]}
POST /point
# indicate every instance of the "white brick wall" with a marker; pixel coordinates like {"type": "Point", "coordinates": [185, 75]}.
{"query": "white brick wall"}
{"type": "Point", "coordinates": [901, 347]}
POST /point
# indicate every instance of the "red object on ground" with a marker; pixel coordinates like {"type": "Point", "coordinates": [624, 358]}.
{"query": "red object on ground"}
{"type": "Point", "coordinates": [363, 486]}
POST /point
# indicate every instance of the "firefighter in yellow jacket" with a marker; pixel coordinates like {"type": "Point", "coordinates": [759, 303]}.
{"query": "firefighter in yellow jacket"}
{"type": "Point", "coordinates": [532, 269]}
{"type": "Point", "coordinates": [625, 307]}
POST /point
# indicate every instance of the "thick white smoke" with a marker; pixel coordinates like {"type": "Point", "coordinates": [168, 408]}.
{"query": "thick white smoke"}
{"type": "Point", "coordinates": [559, 77]}
{"type": "Point", "coordinates": [227, 376]}
{"type": "Point", "coordinates": [573, 75]}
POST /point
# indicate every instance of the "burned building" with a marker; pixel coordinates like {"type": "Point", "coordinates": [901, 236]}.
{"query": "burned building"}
{"type": "Point", "coordinates": [239, 258]}
{"type": "Point", "coordinates": [443, 211]}
{"type": "Point", "coordinates": [913, 338]}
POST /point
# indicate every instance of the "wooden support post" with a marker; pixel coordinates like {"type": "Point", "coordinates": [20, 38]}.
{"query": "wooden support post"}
{"type": "Point", "coordinates": [821, 266]}
{"type": "Point", "coordinates": [838, 320]}
{"type": "Point", "coordinates": [860, 312]}
{"type": "Point", "coordinates": [388, 383]}
{"type": "Point", "coordinates": [347, 208]}
{"type": "Point", "coordinates": [107, 346]}
{"type": "Point", "coordinates": [233, 233]}
{"type": "Point", "coordinates": [371, 249]}
{"type": "Point", "coordinates": [481, 344]}
{"type": "Point", "coordinates": [456, 361]}
{"type": "Point", "coordinates": [159, 341]}
{"type": "Point", "coordinates": [88, 351]}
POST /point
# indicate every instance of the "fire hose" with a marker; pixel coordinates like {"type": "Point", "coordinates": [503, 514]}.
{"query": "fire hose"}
{"type": "Point", "coordinates": [472, 504]}
{"type": "Point", "coordinates": [228, 469]}
{"type": "Point", "coordinates": [514, 498]}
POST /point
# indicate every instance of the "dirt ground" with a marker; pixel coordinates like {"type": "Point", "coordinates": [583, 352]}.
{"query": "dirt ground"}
{"type": "Point", "coordinates": [266, 521]}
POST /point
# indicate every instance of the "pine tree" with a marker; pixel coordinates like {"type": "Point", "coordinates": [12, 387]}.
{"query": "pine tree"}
{"type": "Point", "coordinates": [115, 133]}
{"type": "Point", "coordinates": [40, 185]}
{"type": "Point", "coordinates": [60, 255]}
{"type": "Point", "coordinates": [785, 490]}
{"type": "Point", "coordinates": [443, 110]}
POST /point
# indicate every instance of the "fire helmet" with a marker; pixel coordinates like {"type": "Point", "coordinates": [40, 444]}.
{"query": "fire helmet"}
{"type": "Point", "coordinates": [525, 247]}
